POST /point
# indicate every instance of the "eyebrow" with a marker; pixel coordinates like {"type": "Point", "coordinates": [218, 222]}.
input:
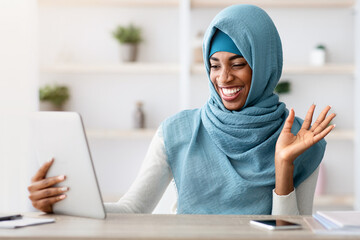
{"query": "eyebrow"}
{"type": "Point", "coordinates": [230, 58]}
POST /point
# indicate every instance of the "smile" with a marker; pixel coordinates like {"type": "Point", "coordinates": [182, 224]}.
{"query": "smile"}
{"type": "Point", "coordinates": [229, 94]}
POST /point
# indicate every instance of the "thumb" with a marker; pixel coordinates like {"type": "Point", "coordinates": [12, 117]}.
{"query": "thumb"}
{"type": "Point", "coordinates": [289, 121]}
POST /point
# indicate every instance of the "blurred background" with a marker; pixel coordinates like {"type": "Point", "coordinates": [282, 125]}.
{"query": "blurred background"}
{"type": "Point", "coordinates": [127, 65]}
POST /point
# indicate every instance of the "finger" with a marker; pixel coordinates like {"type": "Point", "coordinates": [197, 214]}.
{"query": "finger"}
{"type": "Point", "coordinates": [323, 134]}
{"type": "Point", "coordinates": [45, 183]}
{"type": "Point", "coordinates": [308, 118]}
{"type": "Point", "coordinates": [324, 124]}
{"type": "Point", "coordinates": [321, 118]}
{"type": "Point", "coordinates": [46, 193]}
{"type": "Point", "coordinates": [289, 121]}
{"type": "Point", "coordinates": [46, 204]}
{"type": "Point", "coordinates": [41, 173]}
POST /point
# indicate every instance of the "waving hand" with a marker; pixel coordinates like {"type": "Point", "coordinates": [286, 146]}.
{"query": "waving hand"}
{"type": "Point", "coordinates": [290, 146]}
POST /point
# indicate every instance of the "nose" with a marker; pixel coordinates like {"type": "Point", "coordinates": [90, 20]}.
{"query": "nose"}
{"type": "Point", "coordinates": [225, 75]}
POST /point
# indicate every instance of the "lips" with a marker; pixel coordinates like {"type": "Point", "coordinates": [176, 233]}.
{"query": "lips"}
{"type": "Point", "coordinates": [230, 93]}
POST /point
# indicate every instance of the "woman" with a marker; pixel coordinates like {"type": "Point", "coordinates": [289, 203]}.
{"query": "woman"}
{"type": "Point", "coordinates": [243, 152]}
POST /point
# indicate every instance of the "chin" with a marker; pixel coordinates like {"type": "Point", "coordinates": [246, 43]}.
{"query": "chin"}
{"type": "Point", "coordinates": [233, 107]}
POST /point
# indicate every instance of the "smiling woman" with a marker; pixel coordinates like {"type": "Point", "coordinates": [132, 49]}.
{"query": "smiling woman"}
{"type": "Point", "coordinates": [243, 152]}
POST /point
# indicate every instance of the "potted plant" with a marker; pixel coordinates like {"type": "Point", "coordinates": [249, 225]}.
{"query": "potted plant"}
{"type": "Point", "coordinates": [318, 55]}
{"type": "Point", "coordinates": [55, 96]}
{"type": "Point", "coordinates": [282, 87]}
{"type": "Point", "coordinates": [129, 38]}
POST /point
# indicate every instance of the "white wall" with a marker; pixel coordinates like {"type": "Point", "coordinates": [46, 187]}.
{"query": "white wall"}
{"type": "Point", "coordinates": [18, 95]}
{"type": "Point", "coordinates": [357, 112]}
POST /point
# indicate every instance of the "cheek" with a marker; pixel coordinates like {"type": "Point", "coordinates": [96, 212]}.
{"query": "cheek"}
{"type": "Point", "coordinates": [248, 77]}
{"type": "Point", "coordinates": [213, 80]}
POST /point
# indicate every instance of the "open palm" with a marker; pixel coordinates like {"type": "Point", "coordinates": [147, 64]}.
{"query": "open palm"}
{"type": "Point", "coordinates": [290, 146]}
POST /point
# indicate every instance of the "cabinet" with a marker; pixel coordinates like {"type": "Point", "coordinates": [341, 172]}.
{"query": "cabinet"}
{"type": "Point", "coordinates": [76, 49]}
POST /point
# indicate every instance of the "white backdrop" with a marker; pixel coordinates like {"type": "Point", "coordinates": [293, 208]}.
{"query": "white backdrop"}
{"type": "Point", "coordinates": [18, 95]}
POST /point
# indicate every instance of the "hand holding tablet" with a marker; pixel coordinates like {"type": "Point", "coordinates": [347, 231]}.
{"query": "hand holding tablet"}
{"type": "Point", "coordinates": [68, 184]}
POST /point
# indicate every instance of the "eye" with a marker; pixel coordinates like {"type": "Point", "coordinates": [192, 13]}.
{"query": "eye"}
{"type": "Point", "coordinates": [214, 66]}
{"type": "Point", "coordinates": [239, 65]}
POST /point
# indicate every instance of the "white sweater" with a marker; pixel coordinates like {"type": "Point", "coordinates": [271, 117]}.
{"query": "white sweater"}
{"type": "Point", "coordinates": [155, 175]}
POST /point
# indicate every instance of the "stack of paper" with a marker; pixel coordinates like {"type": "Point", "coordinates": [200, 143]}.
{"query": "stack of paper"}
{"type": "Point", "coordinates": [335, 222]}
{"type": "Point", "coordinates": [25, 221]}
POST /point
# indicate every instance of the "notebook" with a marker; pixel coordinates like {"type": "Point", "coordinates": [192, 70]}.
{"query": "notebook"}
{"type": "Point", "coordinates": [25, 221]}
{"type": "Point", "coordinates": [335, 223]}
{"type": "Point", "coordinates": [338, 219]}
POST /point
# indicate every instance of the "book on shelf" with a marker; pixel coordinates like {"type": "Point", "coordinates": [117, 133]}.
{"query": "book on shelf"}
{"type": "Point", "coordinates": [335, 222]}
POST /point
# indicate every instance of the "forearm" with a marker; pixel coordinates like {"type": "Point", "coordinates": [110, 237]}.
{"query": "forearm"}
{"type": "Point", "coordinates": [284, 177]}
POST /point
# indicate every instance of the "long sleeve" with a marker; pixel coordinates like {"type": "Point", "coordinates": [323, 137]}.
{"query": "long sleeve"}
{"type": "Point", "coordinates": [150, 184]}
{"type": "Point", "coordinates": [299, 201]}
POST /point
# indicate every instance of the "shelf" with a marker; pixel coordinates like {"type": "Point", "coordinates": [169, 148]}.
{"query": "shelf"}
{"type": "Point", "coordinates": [120, 134]}
{"type": "Point", "coordinates": [202, 3]}
{"type": "Point", "coordinates": [110, 3]}
{"type": "Point", "coordinates": [148, 133]}
{"type": "Point", "coordinates": [129, 68]}
{"type": "Point", "coordinates": [276, 3]}
{"type": "Point", "coordinates": [334, 200]}
{"type": "Point", "coordinates": [173, 68]}
{"type": "Point", "coordinates": [341, 135]}
{"type": "Point", "coordinates": [346, 69]}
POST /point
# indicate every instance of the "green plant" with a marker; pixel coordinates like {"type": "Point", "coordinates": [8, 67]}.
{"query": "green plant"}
{"type": "Point", "coordinates": [320, 46]}
{"type": "Point", "coordinates": [55, 94]}
{"type": "Point", "coordinates": [282, 87]}
{"type": "Point", "coordinates": [128, 34]}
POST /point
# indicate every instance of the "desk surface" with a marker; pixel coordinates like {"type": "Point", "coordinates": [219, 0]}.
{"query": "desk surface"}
{"type": "Point", "coordinates": [147, 226]}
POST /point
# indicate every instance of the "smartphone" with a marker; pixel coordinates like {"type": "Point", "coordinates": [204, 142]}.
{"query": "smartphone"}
{"type": "Point", "coordinates": [277, 224]}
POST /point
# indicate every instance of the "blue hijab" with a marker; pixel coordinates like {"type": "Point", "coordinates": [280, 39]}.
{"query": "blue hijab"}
{"type": "Point", "coordinates": [223, 161]}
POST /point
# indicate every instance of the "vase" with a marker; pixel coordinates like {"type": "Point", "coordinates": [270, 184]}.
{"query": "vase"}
{"type": "Point", "coordinates": [128, 52]}
{"type": "Point", "coordinates": [48, 106]}
{"type": "Point", "coordinates": [318, 57]}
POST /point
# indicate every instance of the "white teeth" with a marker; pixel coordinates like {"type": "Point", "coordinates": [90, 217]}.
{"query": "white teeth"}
{"type": "Point", "coordinates": [230, 91]}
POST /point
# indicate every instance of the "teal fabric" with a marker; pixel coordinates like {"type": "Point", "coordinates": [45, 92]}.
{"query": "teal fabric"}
{"type": "Point", "coordinates": [223, 43]}
{"type": "Point", "coordinates": [223, 161]}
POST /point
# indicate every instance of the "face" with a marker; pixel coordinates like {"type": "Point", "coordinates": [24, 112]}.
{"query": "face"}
{"type": "Point", "coordinates": [231, 77]}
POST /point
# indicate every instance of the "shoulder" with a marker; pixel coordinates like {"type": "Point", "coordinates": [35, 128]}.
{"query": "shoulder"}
{"type": "Point", "coordinates": [183, 114]}
{"type": "Point", "coordinates": [178, 129]}
{"type": "Point", "coordinates": [180, 118]}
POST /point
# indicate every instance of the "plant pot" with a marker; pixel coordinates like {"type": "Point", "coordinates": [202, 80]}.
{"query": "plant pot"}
{"type": "Point", "coordinates": [128, 52]}
{"type": "Point", "coordinates": [48, 106]}
{"type": "Point", "coordinates": [318, 57]}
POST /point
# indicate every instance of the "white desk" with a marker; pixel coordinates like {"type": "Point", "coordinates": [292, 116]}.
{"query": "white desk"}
{"type": "Point", "coordinates": [146, 226]}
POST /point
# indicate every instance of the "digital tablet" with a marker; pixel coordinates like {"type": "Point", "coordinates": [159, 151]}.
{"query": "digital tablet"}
{"type": "Point", "coordinates": [61, 135]}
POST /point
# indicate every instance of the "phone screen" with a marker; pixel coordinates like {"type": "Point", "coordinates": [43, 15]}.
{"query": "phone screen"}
{"type": "Point", "coordinates": [275, 224]}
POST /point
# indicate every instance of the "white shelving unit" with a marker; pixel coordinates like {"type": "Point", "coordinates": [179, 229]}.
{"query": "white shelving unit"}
{"type": "Point", "coordinates": [174, 68]}
{"type": "Point", "coordinates": [343, 201]}
{"type": "Point", "coordinates": [124, 68]}
{"type": "Point", "coordinates": [276, 3]}
{"type": "Point", "coordinates": [111, 3]}
{"type": "Point", "coordinates": [346, 69]}
{"type": "Point", "coordinates": [201, 3]}
{"type": "Point", "coordinates": [120, 133]}
{"type": "Point", "coordinates": [146, 133]}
